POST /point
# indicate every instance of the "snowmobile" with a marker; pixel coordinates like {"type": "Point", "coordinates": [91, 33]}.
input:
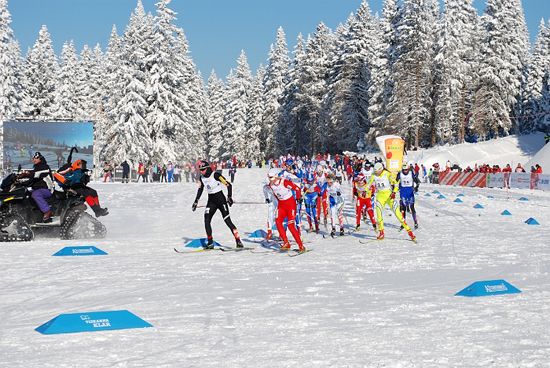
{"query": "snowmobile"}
{"type": "Point", "coordinates": [19, 214]}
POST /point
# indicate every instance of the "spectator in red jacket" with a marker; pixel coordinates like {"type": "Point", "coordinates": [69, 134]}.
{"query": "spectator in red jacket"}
{"type": "Point", "coordinates": [538, 169]}
{"type": "Point", "coordinates": [519, 169]}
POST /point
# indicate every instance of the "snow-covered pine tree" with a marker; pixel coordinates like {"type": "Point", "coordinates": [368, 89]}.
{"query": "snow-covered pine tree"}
{"type": "Point", "coordinates": [254, 121]}
{"type": "Point", "coordinates": [111, 93]}
{"type": "Point", "coordinates": [290, 133]}
{"type": "Point", "coordinates": [165, 113]}
{"type": "Point", "coordinates": [274, 83]}
{"type": "Point", "coordinates": [537, 68]}
{"type": "Point", "coordinates": [356, 55]}
{"type": "Point", "coordinates": [239, 84]}
{"type": "Point", "coordinates": [40, 78]}
{"type": "Point", "coordinates": [129, 136]}
{"type": "Point", "coordinates": [454, 68]}
{"type": "Point", "coordinates": [67, 82]}
{"type": "Point", "coordinates": [10, 64]}
{"type": "Point", "coordinates": [214, 126]}
{"type": "Point", "coordinates": [192, 97]}
{"type": "Point", "coordinates": [411, 103]}
{"type": "Point", "coordinates": [85, 84]}
{"type": "Point", "coordinates": [381, 87]}
{"type": "Point", "coordinates": [543, 111]}
{"type": "Point", "coordinates": [312, 86]}
{"type": "Point", "coordinates": [504, 48]}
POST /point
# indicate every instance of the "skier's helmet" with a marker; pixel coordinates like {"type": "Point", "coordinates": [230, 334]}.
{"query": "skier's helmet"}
{"type": "Point", "coordinates": [361, 178]}
{"type": "Point", "coordinates": [273, 173]}
{"type": "Point", "coordinates": [79, 164]}
{"type": "Point", "coordinates": [378, 167]}
{"type": "Point", "coordinates": [202, 165]}
{"type": "Point", "coordinates": [289, 162]}
{"type": "Point", "coordinates": [310, 177]}
{"type": "Point", "coordinates": [406, 166]}
{"type": "Point", "coordinates": [38, 155]}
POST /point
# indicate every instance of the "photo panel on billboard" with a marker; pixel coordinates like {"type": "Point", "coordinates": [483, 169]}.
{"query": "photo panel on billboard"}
{"type": "Point", "coordinates": [53, 139]}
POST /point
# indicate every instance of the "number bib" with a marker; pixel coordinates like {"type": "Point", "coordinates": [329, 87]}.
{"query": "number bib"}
{"type": "Point", "coordinates": [212, 185]}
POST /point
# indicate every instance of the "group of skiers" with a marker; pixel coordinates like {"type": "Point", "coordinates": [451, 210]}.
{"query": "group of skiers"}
{"type": "Point", "coordinates": [314, 188]}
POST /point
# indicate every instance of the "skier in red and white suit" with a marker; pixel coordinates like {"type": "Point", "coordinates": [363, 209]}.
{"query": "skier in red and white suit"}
{"type": "Point", "coordinates": [322, 200]}
{"type": "Point", "coordinates": [286, 208]}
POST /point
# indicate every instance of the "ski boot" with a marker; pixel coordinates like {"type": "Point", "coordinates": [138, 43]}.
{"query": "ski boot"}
{"type": "Point", "coordinates": [333, 232]}
{"type": "Point", "coordinates": [416, 225]}
{"type": "Point", "coordinates": [269, 235]}
{"type": "Point", "coordinates": [374, 227]}
{"type": "Point", "coordinates": [401, 228]}
{"type": "Point", "coordinates": [316, 228]}
{"type": "Point", "coordinates": [341, 231]}
{"type": "Point", "coordinates": [380, 235]}
{"type": "Point", "coordinates": [47, 217]}
{"type": "Point", "coordinates": [209, 244]}
{"type": "Point", "coordinates": [285, 247]}
{"type": "Point", "coordinates": [357, 227]}
{"type": "Point", "coordinates": [302, 249]}
{"type": "Point", "coordinates": [239, 243]}
{"type": "Point", "coordinates": [412, 236]}
{"type": "Point", "coordinates": [101, 212]}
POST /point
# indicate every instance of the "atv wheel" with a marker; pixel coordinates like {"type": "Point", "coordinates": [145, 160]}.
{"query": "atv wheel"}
{"type": "Point", "coordinates": [14, 228]}
{"type": "Point", "coordinates": [81, 225]}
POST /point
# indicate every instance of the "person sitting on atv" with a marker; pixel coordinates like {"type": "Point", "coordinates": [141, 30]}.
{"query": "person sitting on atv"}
{"type": "Point", "coordinates": [76, 178]}
{"type": "Point", "coordinates": [41, 183]}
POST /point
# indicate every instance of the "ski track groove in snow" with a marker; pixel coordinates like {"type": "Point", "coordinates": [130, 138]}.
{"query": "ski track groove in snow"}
{"type": "Point", "coordinates": [386, 303]}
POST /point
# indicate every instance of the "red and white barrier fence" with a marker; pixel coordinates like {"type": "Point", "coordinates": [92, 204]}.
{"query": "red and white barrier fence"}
{"type": "Point", "coordinates": [499, 180]}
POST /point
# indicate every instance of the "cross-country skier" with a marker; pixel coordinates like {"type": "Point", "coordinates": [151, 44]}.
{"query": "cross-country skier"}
{"type": "Point", "coordinates": [286, 208]}
{"type": "Point", "coordinates": [336, 202]}
{"type": "Point", "coordinates": [311, 193]}
{"type": "Point", "coordinates": [322, 203]}
{"type": "Point", "coordinates": [216, 201]}
{"type": "Point", "coordinates": [386, 188]}
{"type": "Point", "coordinates": [271, 201]}
{"type": "Point", "coordinates": [408, 185]}
{"type": "Point", "coordinates": [362, 192]}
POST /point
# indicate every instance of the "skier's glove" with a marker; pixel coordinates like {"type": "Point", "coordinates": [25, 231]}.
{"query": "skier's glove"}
{"type": "Point", "coordinates": [300, 200]}
{"type": "Point", "coordinates": [392, 195]}
{"type": "Point", "coordinates": [416, 189]}
{"type": "Point", "coordinates": [230, 201]}
{"type": "Point", "coordinates": [194, 206]}
{"type": "Point", "coordinates": [267, 201]}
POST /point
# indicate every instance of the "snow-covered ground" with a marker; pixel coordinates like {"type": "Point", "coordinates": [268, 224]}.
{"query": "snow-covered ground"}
{"type": "Point", "coordinates": [511, 150]}
{"type": "Point", "coordinates": [385, 303]}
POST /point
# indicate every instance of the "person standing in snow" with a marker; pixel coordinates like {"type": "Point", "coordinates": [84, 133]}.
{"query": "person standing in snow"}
{"type": "Point", "coordinates": [408, 185]}
{"type": "Point", "coordinates": [363, 201]}
{"type": "Point", "coordinates": [125, 172]}
{"type": "Point", "coordinates": [336, 203]}
{"type": "Point", "coordinates": [386, 189]}
{"type": "Point", "coordinates": [286, 207]}
{"type": "Point", "coordinates": [213, 182]}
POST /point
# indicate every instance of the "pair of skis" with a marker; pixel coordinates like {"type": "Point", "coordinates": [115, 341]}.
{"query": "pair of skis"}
{"type": "Point", "coordinates": [221, 249]}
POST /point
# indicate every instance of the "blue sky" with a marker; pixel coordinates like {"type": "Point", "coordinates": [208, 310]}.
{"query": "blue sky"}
{"type": "Point", "coordinates": [216, 29]}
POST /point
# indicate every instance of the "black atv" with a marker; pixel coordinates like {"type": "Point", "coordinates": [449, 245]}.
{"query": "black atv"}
{"type": "Point", "coordinates": [19, 214]}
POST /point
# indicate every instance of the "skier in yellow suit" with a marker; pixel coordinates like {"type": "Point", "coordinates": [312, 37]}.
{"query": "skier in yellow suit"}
{"type": "Point", "coordinates": [386, 188]}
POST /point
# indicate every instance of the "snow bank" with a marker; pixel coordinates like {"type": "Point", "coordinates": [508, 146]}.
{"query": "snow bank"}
{"type": "Point", "coordinates": [508, 150]}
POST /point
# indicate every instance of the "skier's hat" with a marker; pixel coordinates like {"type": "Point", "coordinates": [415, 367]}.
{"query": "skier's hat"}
{"type": "Point", "coordinates": [202, 165]}
{"type": "Point", "coordinates": [378, 166]}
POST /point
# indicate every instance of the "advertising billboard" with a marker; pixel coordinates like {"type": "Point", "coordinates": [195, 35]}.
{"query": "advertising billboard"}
{"type": "Point", "coordinates": [393, 148]}
{"type": "Point", "coordinates": [54, 139]}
